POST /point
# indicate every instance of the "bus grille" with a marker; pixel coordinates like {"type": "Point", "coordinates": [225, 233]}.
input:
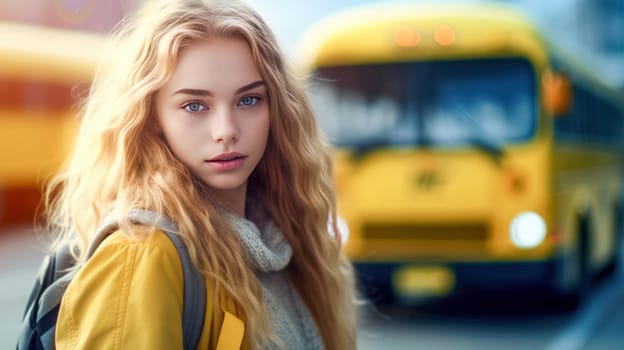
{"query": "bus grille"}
{"type": "Point", "coordinates": [471, 232]}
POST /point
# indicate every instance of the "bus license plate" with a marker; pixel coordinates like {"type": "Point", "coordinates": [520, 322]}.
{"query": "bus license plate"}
{"type": "Point", "coordinates": [422, 281]}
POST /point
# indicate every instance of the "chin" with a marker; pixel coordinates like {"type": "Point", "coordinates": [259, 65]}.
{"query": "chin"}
{"type": "Point", "coordinates": [225, 185]}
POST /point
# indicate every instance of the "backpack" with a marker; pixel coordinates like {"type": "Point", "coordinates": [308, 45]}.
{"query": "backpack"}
{"type": "Point", "coordinates": [56, 272]}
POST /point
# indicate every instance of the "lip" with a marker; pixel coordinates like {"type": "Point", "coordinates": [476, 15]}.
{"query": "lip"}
{"type": "Point", "coordinates": [226, 157]}
{"type": "Point", "coordinates": [227, 161]}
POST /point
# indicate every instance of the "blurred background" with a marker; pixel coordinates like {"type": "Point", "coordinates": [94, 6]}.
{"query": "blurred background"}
{"type": "Point", "coordinates": [49, 49]}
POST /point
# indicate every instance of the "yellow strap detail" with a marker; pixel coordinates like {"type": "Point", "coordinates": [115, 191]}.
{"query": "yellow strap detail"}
{"type": "Point", "coordinates": [232, 331]}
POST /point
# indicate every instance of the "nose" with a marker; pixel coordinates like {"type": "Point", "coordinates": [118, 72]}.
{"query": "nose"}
{"type": "Point", "coordinates": [224, 127]}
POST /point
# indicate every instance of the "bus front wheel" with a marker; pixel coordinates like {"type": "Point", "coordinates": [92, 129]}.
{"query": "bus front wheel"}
{"type": "Point", "coordinates": [614, 263]}
{"type": "Point", "coordinates": [573, 297]}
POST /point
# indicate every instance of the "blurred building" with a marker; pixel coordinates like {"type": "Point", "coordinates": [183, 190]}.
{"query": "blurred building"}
{"type": "Point", "coordinates": [601, 31]}
{"type": "Point", "coordinates": [590, 29]}
{"type": "Point", "coordinates": [604, 20]}
{"type": "Point", "coordinates": [87, 15]}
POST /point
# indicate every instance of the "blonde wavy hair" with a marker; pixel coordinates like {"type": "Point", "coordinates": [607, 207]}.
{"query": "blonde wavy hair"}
{"type": "Point", "coordinates": [121, 161]}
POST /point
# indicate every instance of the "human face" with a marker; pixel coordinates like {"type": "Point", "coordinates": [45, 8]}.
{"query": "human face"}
{"type": "Point", "coordinates": [214, 113]}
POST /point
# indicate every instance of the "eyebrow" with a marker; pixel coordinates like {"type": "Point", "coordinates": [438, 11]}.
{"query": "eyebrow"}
{"type": "Point", "coordinates": [201, 92]}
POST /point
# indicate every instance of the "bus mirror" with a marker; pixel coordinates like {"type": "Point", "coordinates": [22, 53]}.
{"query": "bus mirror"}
{"type": "Point", "coordinates": [557, 91]}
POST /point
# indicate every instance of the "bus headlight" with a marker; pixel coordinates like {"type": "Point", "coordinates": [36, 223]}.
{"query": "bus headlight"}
{"type": "Point", "coordinates": [527, 230]}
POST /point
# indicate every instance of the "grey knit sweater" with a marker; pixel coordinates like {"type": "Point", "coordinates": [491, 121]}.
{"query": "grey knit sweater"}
{"type": "Point", "coordinates": [270, 253]}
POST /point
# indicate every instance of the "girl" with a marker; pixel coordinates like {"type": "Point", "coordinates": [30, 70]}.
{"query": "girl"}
{"type": "Point", "coordinates": [199, 120]}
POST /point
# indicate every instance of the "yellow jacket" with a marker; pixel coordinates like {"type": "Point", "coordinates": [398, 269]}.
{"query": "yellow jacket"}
{"type": "Point", "coordinates": [129, 296]}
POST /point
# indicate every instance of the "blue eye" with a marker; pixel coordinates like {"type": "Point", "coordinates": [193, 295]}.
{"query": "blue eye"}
{"type": "Point", "coordinates": [194, 107]}
{"type": "Point", "coordinates": [248, 101]}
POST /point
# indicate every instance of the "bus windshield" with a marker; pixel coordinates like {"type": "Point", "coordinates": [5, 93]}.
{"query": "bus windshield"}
{"type": "Point", "coordinates": [438, 103]}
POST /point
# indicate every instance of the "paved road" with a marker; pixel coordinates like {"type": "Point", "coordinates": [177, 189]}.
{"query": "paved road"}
{"type": "Point", "coordinates": [510, 322]}
{"type": "Point", "coordinates": [496, 322]}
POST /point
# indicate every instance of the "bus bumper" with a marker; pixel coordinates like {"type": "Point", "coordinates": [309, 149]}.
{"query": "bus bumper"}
{"type": "Point", "coordinates": [382, 281]}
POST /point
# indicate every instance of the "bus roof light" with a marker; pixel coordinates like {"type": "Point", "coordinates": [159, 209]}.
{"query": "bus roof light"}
{"type": "Point", "coordinates": [444, 35]}
{"type": "Point", "coordinates": [406, 37]}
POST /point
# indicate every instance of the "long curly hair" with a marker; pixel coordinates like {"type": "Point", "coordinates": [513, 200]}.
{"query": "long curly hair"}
{"type": "Point", "coordinates": [121, 161]}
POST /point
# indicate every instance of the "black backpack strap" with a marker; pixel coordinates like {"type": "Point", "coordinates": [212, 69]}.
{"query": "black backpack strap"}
{"type": "Point", "coordinates": [39, 321]}
{"type": "Point", "coordinates": [194, 306]}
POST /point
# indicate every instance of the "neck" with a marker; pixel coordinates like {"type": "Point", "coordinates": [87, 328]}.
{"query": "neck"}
{"type": "Point", "coordinates": [233, 200]}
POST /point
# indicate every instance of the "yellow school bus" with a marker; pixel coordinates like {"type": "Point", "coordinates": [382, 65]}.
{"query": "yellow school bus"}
{"type": "Point", "coordinates": [470, 153]}
{"type": "Point", "coordinates": [44, 72]}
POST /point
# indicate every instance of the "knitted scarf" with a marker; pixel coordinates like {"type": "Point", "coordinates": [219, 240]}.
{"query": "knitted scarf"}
{"type": "Point", "coordinates": [269, 252]}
